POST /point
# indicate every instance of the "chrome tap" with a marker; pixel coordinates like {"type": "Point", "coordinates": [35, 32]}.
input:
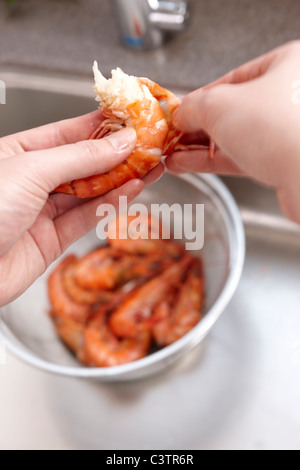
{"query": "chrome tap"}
{"type": "Point", "coordinates": [146, 24]}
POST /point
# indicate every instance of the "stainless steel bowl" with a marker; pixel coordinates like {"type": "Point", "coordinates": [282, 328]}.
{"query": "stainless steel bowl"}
{"type": "Point", "coordinates": [28, 333]}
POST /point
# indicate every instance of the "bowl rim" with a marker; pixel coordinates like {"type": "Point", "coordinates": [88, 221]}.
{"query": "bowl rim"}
{"type": "Point", "coordinates": [195, 335]}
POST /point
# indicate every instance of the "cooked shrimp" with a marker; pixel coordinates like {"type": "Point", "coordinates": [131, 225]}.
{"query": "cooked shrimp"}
{"type": "Point", "coordinates": [176, 315]}
{"type": "Point", "coordinates": [150, 242]}
{"type": "Point", "coordinates": [70, 332]}
{"type": "Point", "coordinates": [129, 101]}
{"type": "Point", "coordinates": [97, 272]}
{"type": "Point", "coordinates": [62, 304]}
{"type": "Point", "coordinates": [134, 313]}
{"type": "Point", "coordinates": [79, 294]}
{"type": "Point", "coordinates": [125, 226]}
{"type": "Point", "coordinates": [100, 348]}
{"type": "Point", "coordinates": [162, 248]}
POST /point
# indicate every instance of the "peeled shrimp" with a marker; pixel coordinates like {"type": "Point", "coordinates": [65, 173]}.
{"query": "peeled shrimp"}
{"type": "Point", "coordinates": [129, 101]}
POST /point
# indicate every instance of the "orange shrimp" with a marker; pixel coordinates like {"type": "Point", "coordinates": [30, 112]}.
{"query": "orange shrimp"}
{"type": "Point", "coordinates": [159, 248]}
{"type": "Point", "coordinates": [79, 294]}
{"type": "Point", "coordinates": [62, 305]}
{"type": "Point", "coordinates": [119, 238]}
{"type": "Point", "coordinates": [101, 348]}
{"type": "Point", "coordinates": [146, 227]}
{"type": "Point", "coordinates": [181, 311]}
{"type": "Point", "coordinates": [134, 313]}
{"type": "Point", "coordinates": [130, 102]}
{"type": "Point", "coordinates": [70, 332]}
{"type": "Point", "coordinates": [95, 272]}
{"type": "Point", "coordinates": [72, 306]}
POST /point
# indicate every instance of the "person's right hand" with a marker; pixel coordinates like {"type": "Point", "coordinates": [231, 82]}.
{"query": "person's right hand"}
{"type": "Point", "coordinates": [253, 116]}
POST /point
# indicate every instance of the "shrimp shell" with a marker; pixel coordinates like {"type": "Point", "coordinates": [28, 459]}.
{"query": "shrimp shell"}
{"type": "Point", "coordinates": [62, 304]}
{"type": "Point", "coordinates": [96, 271]}
{"type": "Point", "coordinates": [181, 311]}
{"type": "Point", "coordinates": [134, 313]}
{"type": "Point", "coordinates": [101, 348]}
{"type": "Point", "coordinates": [82, 295]}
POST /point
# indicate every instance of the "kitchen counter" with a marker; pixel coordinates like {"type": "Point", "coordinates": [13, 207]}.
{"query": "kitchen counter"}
{"type": "Point", "coordinates": [69, 34]}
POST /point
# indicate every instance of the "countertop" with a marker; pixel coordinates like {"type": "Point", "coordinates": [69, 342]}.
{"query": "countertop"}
{"type": "Point", "coordinates": [70, 34]}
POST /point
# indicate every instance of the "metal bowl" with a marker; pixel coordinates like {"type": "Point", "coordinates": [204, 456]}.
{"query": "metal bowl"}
{"type": "Point", "coordinates": [28, 333]}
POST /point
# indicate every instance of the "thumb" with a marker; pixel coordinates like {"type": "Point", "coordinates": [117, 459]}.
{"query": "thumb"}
{"type": "Point", "coordinates": [52, 167]}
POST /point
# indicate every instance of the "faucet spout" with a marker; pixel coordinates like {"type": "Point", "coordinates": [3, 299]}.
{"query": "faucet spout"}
{"type": "Point", "coordinates": [146, 24]}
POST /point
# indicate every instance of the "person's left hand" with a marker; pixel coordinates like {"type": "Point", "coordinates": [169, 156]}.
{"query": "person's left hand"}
{"type": "Point", "coordinates": [35, 229]}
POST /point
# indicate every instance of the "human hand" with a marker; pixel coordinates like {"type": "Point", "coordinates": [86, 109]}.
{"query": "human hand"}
{"type": "Point", "coordinates": [35, 229]}
{"type": "Point", "coordinates": [251, 115]}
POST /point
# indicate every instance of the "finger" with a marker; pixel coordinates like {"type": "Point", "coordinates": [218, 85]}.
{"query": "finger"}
{"type": "Point", "coordinates": [59, 204]}
{"type": "Point", "coordinates": [154, 175]}
{"type": "Point", "coordinates": [199, 161]}
{"type": "Point", "coordinates": [52, 135]}
{"type": "Point", "coordinates": [81, 220]}
{"type": "Point", "coordinates": [200, 109]}
{"type": "Point", "coordinates": [52, 167]}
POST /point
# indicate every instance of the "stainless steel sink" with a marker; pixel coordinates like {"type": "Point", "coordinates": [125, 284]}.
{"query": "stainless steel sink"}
{"type": "Point", "coordinates": [243, 391]}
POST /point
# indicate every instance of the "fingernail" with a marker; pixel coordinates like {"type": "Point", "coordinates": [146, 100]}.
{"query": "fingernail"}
{"type": "Point", "coordinates": [123, 140]}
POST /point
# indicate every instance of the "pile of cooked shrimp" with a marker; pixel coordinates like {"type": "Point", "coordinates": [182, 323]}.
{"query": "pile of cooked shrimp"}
{"type": "Point", "coordinates": [124, 300]}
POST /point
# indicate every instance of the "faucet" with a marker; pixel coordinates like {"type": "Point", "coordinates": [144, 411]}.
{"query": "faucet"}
{"type": "Point", "coordinates": [147, 24]}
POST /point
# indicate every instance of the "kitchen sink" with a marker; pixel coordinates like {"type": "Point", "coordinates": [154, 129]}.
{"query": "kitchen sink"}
{"type": "Point", "coordinates": [242, 390]}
